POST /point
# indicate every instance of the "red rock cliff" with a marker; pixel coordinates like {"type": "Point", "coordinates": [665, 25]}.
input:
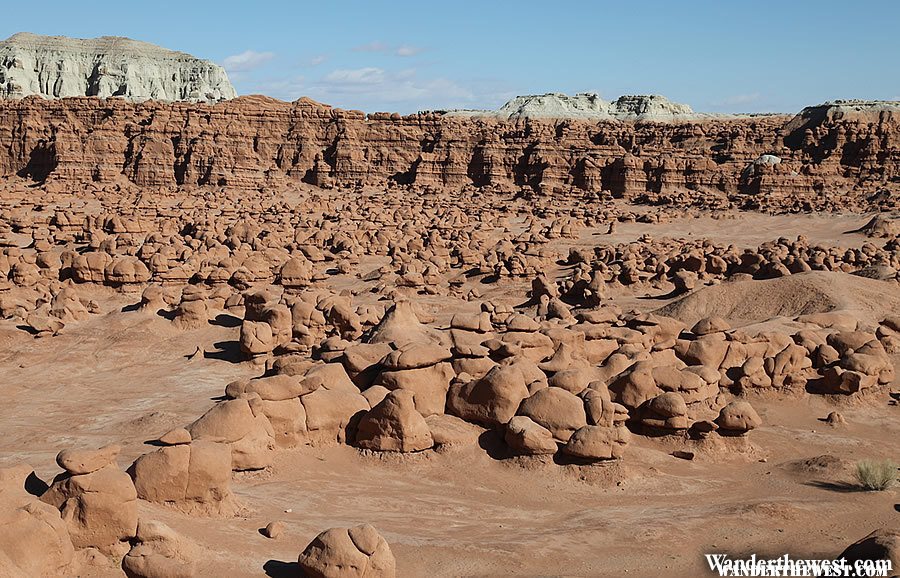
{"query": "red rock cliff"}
{"type": "Point", "coordinates": [251, 142]}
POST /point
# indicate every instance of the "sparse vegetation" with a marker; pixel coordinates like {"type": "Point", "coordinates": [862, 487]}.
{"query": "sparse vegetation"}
{"type": "Point", "coordinates": [876, 475]}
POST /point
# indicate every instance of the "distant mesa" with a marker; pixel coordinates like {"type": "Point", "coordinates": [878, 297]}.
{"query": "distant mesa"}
{"type": "Point", "coordinates": [57, 67]}
{"type": "Point", "coordinates": [654, 108]}
{"type": "Point", "coordinates": [589, 106]}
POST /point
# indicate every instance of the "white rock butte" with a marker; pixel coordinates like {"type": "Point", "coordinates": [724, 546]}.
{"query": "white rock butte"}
{"type": "Point", "coordinates": [57, 66]}
{"type": "Point", "coordinates": [589, 106]}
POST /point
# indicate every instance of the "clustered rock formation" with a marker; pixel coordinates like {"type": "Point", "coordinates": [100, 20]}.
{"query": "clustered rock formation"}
{"type": "Point", "coordinates": [91, 508]}
{"type": "Point", "coordinates": [57, 67]}
{"type": "Point", "coordinates": [772, 163]}
{"type": "Point", "coordinates": [413, 284]}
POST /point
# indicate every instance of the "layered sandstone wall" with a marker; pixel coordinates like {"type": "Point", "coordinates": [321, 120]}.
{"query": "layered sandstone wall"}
{"type": "Point", "coordinates": [57, 67]}
{"type": "Point", "coordinates": [253, 142]}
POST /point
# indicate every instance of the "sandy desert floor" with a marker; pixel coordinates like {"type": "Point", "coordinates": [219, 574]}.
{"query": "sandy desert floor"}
{"type": "Point", "coordinates": [128, 376]}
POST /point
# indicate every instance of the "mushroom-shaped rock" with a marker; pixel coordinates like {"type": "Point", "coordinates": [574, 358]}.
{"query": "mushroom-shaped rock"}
{"type": "Point", "coordinates": [394, 425]}
{"type": "Point", "coordinates": [158, 551]}
{"type": "Point", "coordinates": [99, 508]}
{"type": "Point", "coordinates": [738, 417]}
{"type": "Point", "coordinates": [666, 411]}
{"type": "Point", "coordinates": [152, 299]}
{"type": "Point", "coordinates": [192, 312]}
{"type": "Point", "coordinates": [358, 552]}
{"type": "Point", "coordinates": [256, 338]}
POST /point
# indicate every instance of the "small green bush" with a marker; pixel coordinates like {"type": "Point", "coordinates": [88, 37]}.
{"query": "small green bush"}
{"type": "Point", "coordinates": [876, 475]}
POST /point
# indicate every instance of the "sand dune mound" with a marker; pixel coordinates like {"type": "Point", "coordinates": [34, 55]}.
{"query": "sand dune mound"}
{"type": "Point", "coordinates": [801, 294]}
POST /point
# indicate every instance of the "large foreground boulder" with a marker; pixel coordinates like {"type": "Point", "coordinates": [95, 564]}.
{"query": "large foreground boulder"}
{"type": "Point", "coordinates": [358, 552]}
{"type": "Point", "coordinates": [883, 544]}
{"type": "Point", "coordinates": [34, 541]}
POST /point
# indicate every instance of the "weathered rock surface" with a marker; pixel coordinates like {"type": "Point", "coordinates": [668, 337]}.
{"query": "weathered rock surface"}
{"type": "Point", "coordinates": [261, 141]}
{"type": "Point", "coordinates": [160, 552]}
{"type": "Point", "coordinates": [589, 106]}
{"type": "Point", "coordinates": [34, 541]}
{"type": "Point", "coordinates": [57, 67]}
{"type": "Point", "coordinates": [358, 552]}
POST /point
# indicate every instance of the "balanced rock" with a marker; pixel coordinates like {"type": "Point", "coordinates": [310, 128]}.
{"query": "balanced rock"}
{"type": "Point", "coordinates": [99, 508]}
{"type": "Point", "coordinates": [79, 462]}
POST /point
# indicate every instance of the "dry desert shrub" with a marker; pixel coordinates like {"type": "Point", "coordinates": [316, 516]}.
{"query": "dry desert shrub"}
{"type": "Point", "coordinates": [876, 475]}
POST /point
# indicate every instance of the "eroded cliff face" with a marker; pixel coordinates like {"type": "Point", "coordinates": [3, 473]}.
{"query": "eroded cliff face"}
{"type": "Point", "coordinates": [255, 142]}
{"type": "Point", "coordinates": [57, 67]}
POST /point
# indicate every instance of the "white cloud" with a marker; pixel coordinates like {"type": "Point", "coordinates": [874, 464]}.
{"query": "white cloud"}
{"type": "Point", "coordinates": [407, 50]}
{"type": "Point", "coordinates": [365, 76]}
{"type": "Point", "coordinates": [247, 60]}
{"type": "Point", "coordinates": [317, 60]}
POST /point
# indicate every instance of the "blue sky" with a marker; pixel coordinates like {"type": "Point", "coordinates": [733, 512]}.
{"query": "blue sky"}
{"type": "Point", "coordinates": [717, 56]}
